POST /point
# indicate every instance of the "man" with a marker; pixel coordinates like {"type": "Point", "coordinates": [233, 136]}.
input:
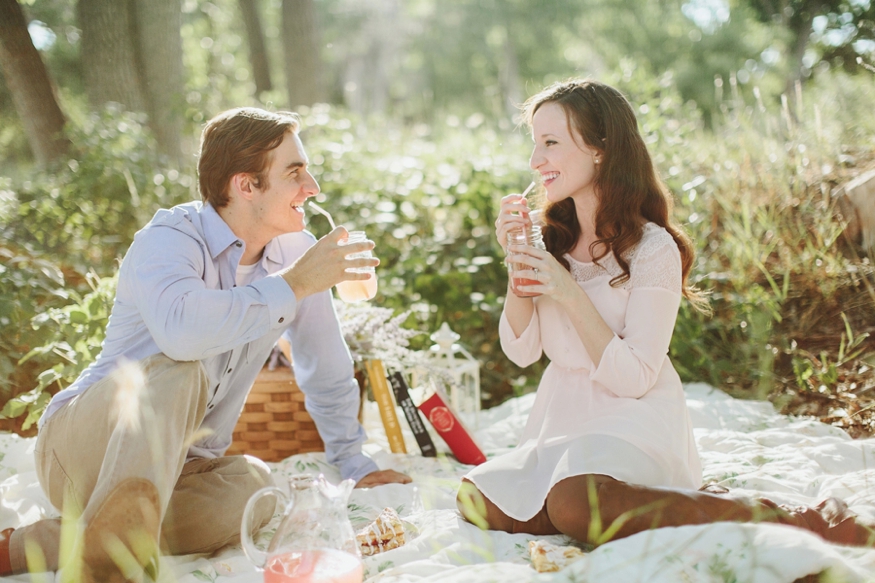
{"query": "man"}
{"type": "Point", "coordinates": [135, 445]}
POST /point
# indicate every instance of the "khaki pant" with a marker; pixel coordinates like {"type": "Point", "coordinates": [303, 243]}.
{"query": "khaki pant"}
{"type": "Point", "coordinates": [138, 423]}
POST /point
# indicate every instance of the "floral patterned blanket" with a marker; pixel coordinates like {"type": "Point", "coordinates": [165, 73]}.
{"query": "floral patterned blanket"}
{"type": "Point", "coordinates": [745, 446]}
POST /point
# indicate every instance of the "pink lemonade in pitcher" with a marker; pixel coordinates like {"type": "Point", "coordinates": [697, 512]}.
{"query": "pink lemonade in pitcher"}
{"type": "Point", "coordinates": [314, 566]}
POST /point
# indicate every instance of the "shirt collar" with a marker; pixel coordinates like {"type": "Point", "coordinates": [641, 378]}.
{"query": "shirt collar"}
{"type": "Point", "coordinates": [217, 233]}
{"type": "Point", "coordinates": [219, 236]}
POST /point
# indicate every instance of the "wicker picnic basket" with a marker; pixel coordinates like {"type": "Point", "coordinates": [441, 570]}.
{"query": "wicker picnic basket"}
{"type": "Point", "coordinates": [274, 424]}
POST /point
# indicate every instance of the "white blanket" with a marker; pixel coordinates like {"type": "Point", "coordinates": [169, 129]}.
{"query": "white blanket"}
{"type": "Point", "coordinates": [745, 446]}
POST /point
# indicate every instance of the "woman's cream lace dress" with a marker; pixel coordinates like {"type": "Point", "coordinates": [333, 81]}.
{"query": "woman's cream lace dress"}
{"type": "Point", "coordinates": [627, 417]}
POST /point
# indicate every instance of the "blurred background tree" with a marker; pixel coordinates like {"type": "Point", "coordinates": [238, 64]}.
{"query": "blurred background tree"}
{"type": "Point", "coordinates": [833, 32]}
{"type": "Point", "coordinates": [179, 61]}
{"type": "Point", "coordinates": [756, 111]}
{"type": "Point", "coordinates": [30, 87]}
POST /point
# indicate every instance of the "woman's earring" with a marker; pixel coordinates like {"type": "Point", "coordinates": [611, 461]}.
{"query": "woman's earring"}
{"type": "Point", "coordinates": [597, 160]}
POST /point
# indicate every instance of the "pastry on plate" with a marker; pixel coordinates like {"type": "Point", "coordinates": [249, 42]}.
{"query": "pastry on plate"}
{"type": "Point", "coordinates": [384, 534]}
{"type": "Point", "coordinates": [547, 557]}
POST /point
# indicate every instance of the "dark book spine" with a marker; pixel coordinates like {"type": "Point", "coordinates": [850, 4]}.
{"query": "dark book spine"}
{"type": "Point", "coordinates": [402, 397]}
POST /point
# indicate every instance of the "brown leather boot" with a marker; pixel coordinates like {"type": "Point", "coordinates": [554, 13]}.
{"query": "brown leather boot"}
{"type": "Point", "coordinates": [637, 508]}
{"type": "Point", "coordinates": [5, 561]}
{"type": "Point", "coordinates": [121, 539]}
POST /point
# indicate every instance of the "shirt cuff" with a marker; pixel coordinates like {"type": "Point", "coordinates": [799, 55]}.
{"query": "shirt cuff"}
{"type": "Point", "coordinates": [280, 299]}
{"type": "Point", "coordinates": [356, 467]}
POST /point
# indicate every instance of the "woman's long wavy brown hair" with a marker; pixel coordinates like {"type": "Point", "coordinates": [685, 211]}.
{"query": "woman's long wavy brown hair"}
{"type": "Point", "coordinates": [626, 184]}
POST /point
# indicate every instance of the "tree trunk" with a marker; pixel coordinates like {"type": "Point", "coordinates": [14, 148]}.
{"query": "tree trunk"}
{"type": "Point", "coordinates": [301, 50]}
{"type": "Point", "coordinates": [29, 84]}
{"type": "Point", "coordinates": [159, 44]}
{"type": "Point", "coordinates": [109, 53]}
{"type": "Point", "coordinates": [257, 51]}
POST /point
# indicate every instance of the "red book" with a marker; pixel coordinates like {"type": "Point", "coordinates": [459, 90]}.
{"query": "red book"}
{"type": "Point", "coordinates": [448, 426]}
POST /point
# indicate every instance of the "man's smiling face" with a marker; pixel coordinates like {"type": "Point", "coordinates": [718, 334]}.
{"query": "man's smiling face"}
{"type": "Point", "coordinates": [279, 203]}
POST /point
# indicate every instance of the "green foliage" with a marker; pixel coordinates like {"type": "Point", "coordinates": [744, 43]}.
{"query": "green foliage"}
{"type": "Point", "coordinates": [822, 373]}
{"type": "Point", "coordinates": [217, 74]}
{"type": "Point", "coordinates": [86, 211]}
{"type": "Point", "coordinates": [430, 204]}
{"type": "Point", "coordinates": [73, 219]}
{"type": "Point", "coordinates": [757, 198]}
{"type": "Point", "coordinates": [662, 38]}
{"type": "Point", "coordinates": [28, 285]}
{"type": "Point", "coordinates": [840, 30]}
{"type": "Point", "coordinates": [73, 334]}
{"type": "Point", "coordinates": [754, 192]}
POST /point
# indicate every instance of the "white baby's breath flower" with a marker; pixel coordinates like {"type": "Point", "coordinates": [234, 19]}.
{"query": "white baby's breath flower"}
{"type": "Point", "coordinates": [130, 382]}
{"type": "Point", "coordinates": [376, 333]}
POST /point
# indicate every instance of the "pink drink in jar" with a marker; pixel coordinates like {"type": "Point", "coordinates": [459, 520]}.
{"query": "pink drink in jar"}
{"type": "Point", "coordinates": [533, 238]}
{"type": "Point", "coordinates": [358, 290]}
{"type": "Point", "coordinates": [314, 566]}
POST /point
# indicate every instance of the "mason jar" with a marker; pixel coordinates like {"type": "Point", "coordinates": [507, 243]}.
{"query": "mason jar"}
{"type": "Point", "coordinates": [531, 237]}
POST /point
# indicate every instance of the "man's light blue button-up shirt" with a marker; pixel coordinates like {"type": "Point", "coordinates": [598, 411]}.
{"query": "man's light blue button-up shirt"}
{"type": "Point", "coordinates": [177, 295]}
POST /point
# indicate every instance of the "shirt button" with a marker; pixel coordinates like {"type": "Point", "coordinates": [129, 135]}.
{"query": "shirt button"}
{"type": "Point", "coordinates": [210, 406]}
{"type": "Point", "coordinates": [230, 369]}
{"type": "Point", "coordinates": [239, 244]}
{"type": "Point", "coordinates": [282, 320]}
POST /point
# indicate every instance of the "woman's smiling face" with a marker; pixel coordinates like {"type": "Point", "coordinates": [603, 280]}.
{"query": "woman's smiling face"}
{"type": "Point", "coordinates": [566, 164]}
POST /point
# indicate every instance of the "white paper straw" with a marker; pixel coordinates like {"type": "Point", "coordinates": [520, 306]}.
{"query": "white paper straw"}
{"type": "Point", "coordinates": [321, 210]}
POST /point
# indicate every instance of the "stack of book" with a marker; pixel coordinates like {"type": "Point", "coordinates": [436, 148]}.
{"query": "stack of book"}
{"type": "Point", "coordinates": [436, 409]}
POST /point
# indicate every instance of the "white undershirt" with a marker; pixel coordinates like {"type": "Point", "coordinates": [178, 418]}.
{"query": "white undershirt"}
{"type": "Point", "coordinates": [245, 273]}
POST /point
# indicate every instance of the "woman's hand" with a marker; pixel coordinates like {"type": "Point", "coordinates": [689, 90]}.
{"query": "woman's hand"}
{"type": "Point", "coordinates": [553, 279]}
{"type": "Point", "coordinates": [513, 214]}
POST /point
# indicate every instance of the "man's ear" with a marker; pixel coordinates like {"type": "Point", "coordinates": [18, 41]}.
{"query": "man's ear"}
{"type": "Point", "coordinates": [242, 184]}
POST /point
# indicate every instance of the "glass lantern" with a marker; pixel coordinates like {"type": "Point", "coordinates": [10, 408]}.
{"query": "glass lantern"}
{"type": "Point", "coordinates": [462, 368]}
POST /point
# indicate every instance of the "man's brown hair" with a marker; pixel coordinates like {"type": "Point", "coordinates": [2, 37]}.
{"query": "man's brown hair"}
{"type": "Point", "coordinates": [240, 140]}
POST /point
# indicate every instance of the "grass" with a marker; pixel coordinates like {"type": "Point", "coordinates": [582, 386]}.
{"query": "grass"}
{"type": "Point", "coordinates": [792, 296]}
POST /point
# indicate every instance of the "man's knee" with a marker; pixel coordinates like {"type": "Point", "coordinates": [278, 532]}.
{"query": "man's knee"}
{"type": "Point", "coordinates": [207, 505]}
{"type": "Point", "coordinates": [257, 476]}
{"type": "Point", "coordinates": [258, 472]}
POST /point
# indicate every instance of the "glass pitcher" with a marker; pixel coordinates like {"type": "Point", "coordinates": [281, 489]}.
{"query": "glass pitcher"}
{"type": "Point", "coordinates": [314, 542]}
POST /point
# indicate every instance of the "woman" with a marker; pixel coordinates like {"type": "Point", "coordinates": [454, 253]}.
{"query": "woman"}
{"type": "Point", "coordinates": [608, 448]}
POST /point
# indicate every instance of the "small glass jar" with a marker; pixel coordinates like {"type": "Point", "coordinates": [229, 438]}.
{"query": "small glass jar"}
{"type": "Point", "coordinates": [358, 290]}
{"type": "Point", "coordinates": [533, 238]}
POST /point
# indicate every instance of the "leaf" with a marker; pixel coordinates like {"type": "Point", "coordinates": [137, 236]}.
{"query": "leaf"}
{"type": "Point", "coordinates": [78, 316]}
{"type": "Point", "coordinates": [13, 408]}
{"type": "Point", "coordinates": [386, 565]}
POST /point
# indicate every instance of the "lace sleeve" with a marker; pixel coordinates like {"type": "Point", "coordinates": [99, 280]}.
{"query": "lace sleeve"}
{"type": "Point", "coordinates": [656, 263]}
